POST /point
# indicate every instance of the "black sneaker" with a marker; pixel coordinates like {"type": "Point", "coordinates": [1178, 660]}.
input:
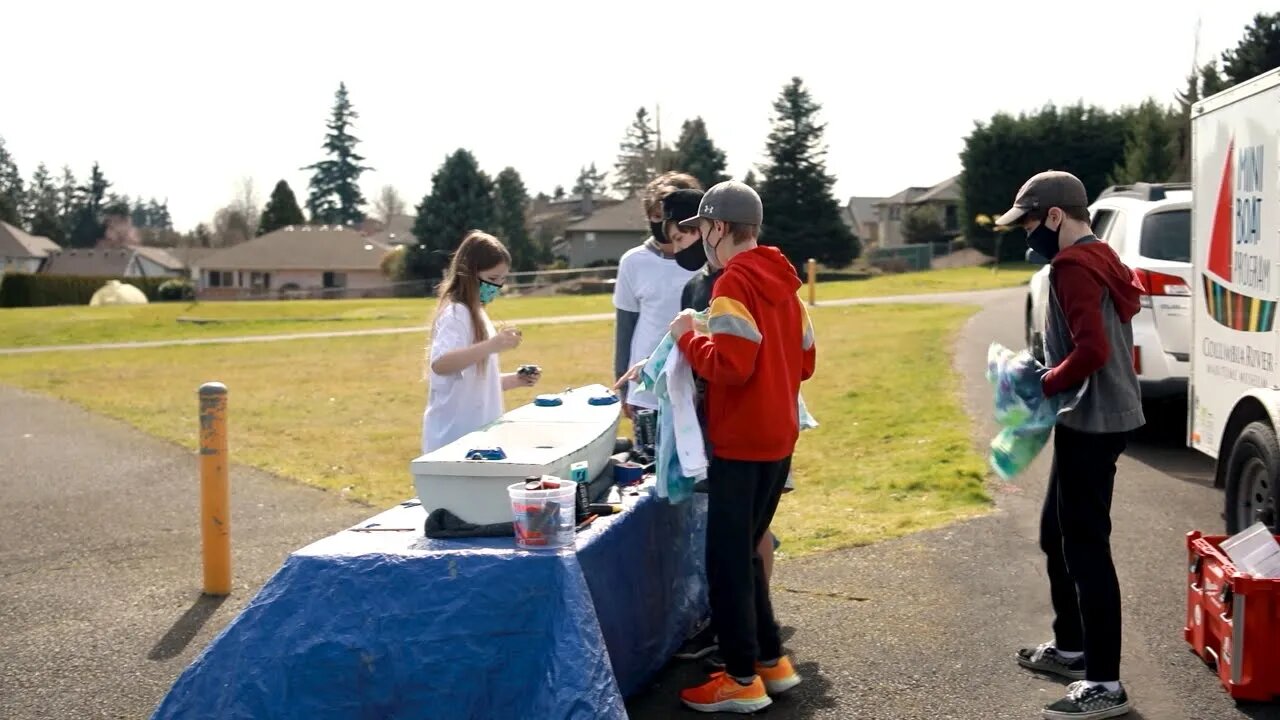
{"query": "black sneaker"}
{"type": "Point", "coordinates": [699, 645]}
{"type": "Point", "coordinates": [713, 662]}
{"type": "Point", "coordinates": [1046, 659]}
{"type": "Point", "coordinates": [1089, 702]}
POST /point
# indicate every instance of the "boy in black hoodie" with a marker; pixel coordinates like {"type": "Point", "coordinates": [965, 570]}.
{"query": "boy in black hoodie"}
{"type": "Point", "coordinates": [1093, 297]}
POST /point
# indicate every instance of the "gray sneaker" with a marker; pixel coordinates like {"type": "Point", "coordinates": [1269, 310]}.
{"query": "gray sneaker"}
{"type": "Point", "coordinates": [1045, 658]}
{"type": "Point", "coordinates": [1089, 702]}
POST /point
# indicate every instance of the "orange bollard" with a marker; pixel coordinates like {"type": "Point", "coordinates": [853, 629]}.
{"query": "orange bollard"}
{"type": "Point", "coordinates": [215, 491]}
{"type": "Point", "coordinates": [813, 282]}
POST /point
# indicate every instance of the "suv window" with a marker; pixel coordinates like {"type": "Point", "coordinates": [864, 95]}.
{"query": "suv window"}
{"type": "Point", "coordinates": [1113, 234]}
{"type": "Point", "coordinates": [1101, 221]}
{"type": "Point", "coordinates": [1167, 236]}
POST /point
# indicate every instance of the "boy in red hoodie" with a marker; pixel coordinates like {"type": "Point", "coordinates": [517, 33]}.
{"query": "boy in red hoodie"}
{"type": "Point", "coordinates": [760, 348]}
{"type": "Point", "coordinates": [1093, 297]}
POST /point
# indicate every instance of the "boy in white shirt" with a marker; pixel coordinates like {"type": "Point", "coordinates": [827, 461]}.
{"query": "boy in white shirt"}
{"type": "Point", "coordinates": [647, 292]}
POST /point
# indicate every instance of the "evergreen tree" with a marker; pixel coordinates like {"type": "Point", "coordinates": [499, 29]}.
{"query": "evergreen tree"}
{"type": "Point", "coordinates": [43, 216]}
{"type": "Point", "coordinates": [802, 216]}
{"type": "Point", "coordinates": [1211, 80]}
{"type": "Point", "coordinates": [335, 185]}
{"type": "Point", "coordinates": [511, 203]}
{"type": "Point", "coordinates": [1257, 52]}
{"type": "Point", "coordinates": [281, 211]}
{"type": "Point", "coordinates": [141, 215]}
{"type": "Point", "coordinates": [697, 155]}
{"type": "Point", "coordinates": [750, 179]}
{"type": "Point", "coordinates": [638, 156]}
{"type": "Point", "coordinates": [12, 197]}
{"type": "Point", "coordinates": [558, 193]}
{"type": "Point", "coordinates": [87, 216]}
{"type": "Point", "coordinates": [923, 225]}
{"type": "Point", "coordinates": [1149, 147]}
{"type": "Point", "coordinates": [158, 212]}
{"type": "Point", "coordinates": [460, 201]}
{"type": "Point", "coordinates": [590, 182]}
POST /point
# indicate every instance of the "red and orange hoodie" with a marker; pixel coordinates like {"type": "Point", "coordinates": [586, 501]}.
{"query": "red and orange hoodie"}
{"type": "Point", "coordinates": [760, 348]}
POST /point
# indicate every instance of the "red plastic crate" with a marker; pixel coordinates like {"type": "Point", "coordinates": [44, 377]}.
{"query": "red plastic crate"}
{"type": "Point", "coordinates": [1233, 620]}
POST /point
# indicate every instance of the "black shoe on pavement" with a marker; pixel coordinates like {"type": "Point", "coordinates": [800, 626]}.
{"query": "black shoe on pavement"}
{"type": "Point", "coordinates": [699, 645]}
{"type": "Point", "coordinates": [1089, 702]}
{"type": "Point", "coordinates": [1045, 658]}
{"type": "Point", "coordinates": [713, 662]}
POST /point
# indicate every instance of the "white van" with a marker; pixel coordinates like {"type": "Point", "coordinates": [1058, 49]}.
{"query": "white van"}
{"type": "Point", "coordinates": [1235, 384]}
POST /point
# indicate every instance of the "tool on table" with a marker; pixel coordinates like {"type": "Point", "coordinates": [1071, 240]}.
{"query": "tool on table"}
{"type": "Point", "coordinates": [527, 370]}
{"type": "Point", "coordinates": [585, 523]}
{"type": "Point", "coordinates": [603, 509]}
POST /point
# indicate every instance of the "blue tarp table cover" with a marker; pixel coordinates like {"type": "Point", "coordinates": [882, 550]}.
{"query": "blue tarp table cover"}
{"type": "Point", "coordinates": [394, 625]}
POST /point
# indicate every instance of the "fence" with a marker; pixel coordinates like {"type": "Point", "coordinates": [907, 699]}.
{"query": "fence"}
{"type": "Point", "coordinates": [901, 259]}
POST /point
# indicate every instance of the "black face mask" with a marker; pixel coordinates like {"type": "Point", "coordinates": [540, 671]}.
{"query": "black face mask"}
{"type": "Point", "coordinates": [659, 236]}
{"type": "Point", "coordinates": [1043, 240]}
{"type": "Point", "coordinates": [692, 257]}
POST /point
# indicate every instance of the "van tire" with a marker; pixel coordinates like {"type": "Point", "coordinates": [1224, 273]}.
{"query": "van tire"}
{"type": "Point", "coordinates": [1253, 479]}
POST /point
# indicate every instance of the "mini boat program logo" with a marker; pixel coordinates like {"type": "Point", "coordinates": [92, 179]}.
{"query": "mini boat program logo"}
{"type": "Point", "coordinates": [1234, 247]}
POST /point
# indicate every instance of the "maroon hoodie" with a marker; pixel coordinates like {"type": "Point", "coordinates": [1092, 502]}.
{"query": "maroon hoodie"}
{"type": "Point", "coordinates": [1081, 273]}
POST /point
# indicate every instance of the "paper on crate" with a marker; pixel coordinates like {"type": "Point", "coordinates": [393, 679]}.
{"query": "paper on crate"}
{"type": "Point", "coordinates": [1255, 551]}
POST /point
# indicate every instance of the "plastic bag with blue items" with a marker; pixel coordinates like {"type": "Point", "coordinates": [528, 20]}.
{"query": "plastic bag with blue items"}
{"type": "Point", "coordinates": [1025, 415]}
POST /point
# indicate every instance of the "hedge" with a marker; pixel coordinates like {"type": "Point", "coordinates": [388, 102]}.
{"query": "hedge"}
{"type": "Point", "coordinates": [27, 290]}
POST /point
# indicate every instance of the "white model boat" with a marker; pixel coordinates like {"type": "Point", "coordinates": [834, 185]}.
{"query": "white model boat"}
{"type": "Point", "coordinates": [535, 439]}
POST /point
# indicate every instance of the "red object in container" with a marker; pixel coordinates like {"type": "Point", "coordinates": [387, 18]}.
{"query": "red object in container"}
{"type": "Point", "coordinates": [1233, 620]}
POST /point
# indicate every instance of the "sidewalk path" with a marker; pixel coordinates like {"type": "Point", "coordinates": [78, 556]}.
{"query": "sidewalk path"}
{"type": "Point", "coordinates": [100, 575]}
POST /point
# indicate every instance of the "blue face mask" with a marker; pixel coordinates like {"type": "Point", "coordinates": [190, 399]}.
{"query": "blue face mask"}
{"type": "Point", "coordinates": [488, 292]}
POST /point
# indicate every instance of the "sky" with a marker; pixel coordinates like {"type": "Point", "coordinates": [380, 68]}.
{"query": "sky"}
{"type": "Point", "coordinates": [185, 103]}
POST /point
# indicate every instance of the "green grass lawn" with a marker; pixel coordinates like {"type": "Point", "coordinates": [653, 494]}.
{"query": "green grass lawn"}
{"type": "Point", "coordinates": [31, 327]}
{"type": "Point", "coordinates": [893, 453]}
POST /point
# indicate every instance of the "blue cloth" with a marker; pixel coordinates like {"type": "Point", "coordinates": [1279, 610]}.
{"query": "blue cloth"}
{"type": "Point", "coordinates": [395, 625]}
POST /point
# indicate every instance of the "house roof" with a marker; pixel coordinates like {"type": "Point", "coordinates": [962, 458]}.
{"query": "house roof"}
{"type": "Point", "coordinates": [113, 262]}
{"type": "Point", "coordinates": [626, 216]}
{"type": "Point", "coordinates": [191, 256]}
{"type": "Point", "coordinates": [17, 243]}
{"type": "Point", "coordinates": [302, 247]}
{"type": "Point", "coordinates": [160, 256]}
{"type": "Point", "coordinates": [863, 209]}
{"type": "Point", "coordinates": [397, 231]}
{"type": "Point", "coordinates": [948, 189]}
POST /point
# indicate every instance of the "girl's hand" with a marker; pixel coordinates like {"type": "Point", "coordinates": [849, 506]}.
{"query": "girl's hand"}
{"type": "Point", "coordinates": [529, 379]}
{"type": "Point", "coordinates": [508, 338]}
{"type": "Point", "coordinates": [632, 375]}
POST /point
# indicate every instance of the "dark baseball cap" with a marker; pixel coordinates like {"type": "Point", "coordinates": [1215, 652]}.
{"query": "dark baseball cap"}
{"type": "Point", "coordinates": [681, 204]}
{"type": "Point", "coordinates": [1049, 189]}
{"type": "Point", "coordinates": [729, 201]}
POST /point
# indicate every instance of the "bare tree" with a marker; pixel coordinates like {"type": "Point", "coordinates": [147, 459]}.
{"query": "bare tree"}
{"type": "Point", "coordinates": [247, 205]}
{"type": "Point", "coordinates": [231, 226]}
{"type": "Point", "coordinates": [388, 204]}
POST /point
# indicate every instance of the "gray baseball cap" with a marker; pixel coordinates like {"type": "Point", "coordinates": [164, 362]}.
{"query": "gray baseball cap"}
{"type": "Point", "coordinates": [1051, 188]}
{"type": "Point", "coordinates": [729, 201]}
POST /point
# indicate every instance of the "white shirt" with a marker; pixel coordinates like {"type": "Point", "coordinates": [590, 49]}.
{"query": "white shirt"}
{"type": "Point", "coordinates": [465, 401]}
{"type": "Point", "coordinates": [648, 284]}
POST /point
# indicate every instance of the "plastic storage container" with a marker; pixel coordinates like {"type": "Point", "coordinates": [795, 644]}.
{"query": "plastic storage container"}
{"type": "Point", "coordinates": [1233, 620]}
{"type": "Point", "coordinates": [543, 518]}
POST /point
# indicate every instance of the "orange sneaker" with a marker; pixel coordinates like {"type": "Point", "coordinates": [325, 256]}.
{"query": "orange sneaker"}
{"type": "Point", "coordinates": [779, 678]}
{"type": "Point", "coordinates": [724, 694]}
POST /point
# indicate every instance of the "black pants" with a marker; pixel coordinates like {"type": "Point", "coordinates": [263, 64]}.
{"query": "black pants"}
{"type": "Point", "coordinates": [1075, 534]}
{"type": "Point", "coordinates": [743, 498]}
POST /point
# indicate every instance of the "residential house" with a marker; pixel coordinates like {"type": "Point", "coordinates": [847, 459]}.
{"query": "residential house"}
{"type": "Point", "coordinates": [121, 262]}
{"type": "Point", "coordinates": [943, 197]}
{"type": "Point", "coordinates": [295, 261]}
{"type": "Point", "coordinates": [21, 251]}
{"type": "Point", "coordinates": [863, 218]}
{"type": "Point", "coordinates": [605, 233]}
{"type": "Point", "coordinates": [397, 231]}
{"type": "Point", "coordinates": [190, 256]}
